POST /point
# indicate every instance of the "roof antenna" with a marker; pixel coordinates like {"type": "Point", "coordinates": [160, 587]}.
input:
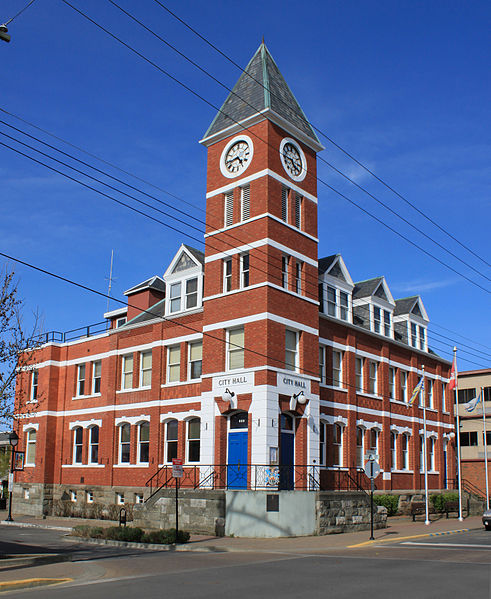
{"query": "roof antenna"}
{"type": "Point", "coordinates": [110, 280]}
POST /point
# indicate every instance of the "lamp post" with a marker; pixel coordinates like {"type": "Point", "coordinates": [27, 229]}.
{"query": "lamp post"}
{"type": "Point", "coordinates": [13, 440]}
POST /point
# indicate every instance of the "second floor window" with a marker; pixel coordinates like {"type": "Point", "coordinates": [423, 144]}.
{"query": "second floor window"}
{"type": "Point", "coordinates": [146, 369]}
{"type": "Point", "coordinates": [34, 385]}
{"type": "Point", "coordinates": [127, 372]}
{"type": "Point", "coordinates": [227, 275]}
{"type": "Point", "coordinates": [195, 359]}
{"type": "Point", "coordinates": [392, 382]}
{"type": "Point", "coordinates": [403, 384]}
{"type": "Point", "coordinates": [81, 379]}
{"type": "Point", "coordinates": [96, 377]}
{"type": "Point", "coordinates": [298, 277]}
{"type": "Point", "coordinates": [235, 349]}
{"type": "Point", "coordinates": [372, 378]}
{"type": "Point", "coordinates": [174, 364]}
{"type": "Point", "coordinates": [337, 368]}
{"type": "Point", "coordinates": [322, 363]}
{"type": "Point", "coordinates": [291, 350]}
{"type": "Point", "coordinates": [359, 374]}
{"type": "Point", "coordinates": [284, 271]}
{"type": "Point", "coordinates": [430, 385]}
{"type": "Point", "coordinates": [244, 270]}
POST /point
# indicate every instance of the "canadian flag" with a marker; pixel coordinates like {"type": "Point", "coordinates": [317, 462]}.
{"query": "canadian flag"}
{"type": "Point", "coordinates": [452, 383]}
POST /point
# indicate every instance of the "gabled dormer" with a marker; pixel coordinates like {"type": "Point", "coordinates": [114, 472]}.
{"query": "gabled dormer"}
{"type": "Point", "coordinates": [184, 281]}
{"type": "Point", "coordinates": [411, 322]}
{"type": "Point", "coordinates": [373, 306]}
{"type": "Point", "coordinates": [335, 288]}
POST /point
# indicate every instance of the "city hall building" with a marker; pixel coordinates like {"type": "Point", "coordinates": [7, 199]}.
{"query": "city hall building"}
{"type": "Point", "coordinates": [258, 364]}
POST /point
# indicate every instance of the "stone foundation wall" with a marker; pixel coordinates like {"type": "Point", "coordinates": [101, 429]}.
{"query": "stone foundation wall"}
{"type": "Point", "coordinates": [340, 511]}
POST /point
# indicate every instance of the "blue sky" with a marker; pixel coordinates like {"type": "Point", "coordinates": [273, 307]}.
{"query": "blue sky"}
{"type": "Point", "coordinates": [403, 86]}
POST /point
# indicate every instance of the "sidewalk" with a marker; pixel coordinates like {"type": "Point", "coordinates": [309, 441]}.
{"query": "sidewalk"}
{"type": "Point", "coordinates": [398, 527]}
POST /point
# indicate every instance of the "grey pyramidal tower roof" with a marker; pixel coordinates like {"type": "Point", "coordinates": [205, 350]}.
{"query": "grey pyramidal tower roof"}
{"type": "Point", "coordinates": [261, 86]}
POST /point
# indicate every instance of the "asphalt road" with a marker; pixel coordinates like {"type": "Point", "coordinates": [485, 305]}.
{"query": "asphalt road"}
{"type": "Point", "coordinates": [395, 569]}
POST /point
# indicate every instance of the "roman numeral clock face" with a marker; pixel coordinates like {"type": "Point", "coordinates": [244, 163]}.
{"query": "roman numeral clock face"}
{"type": "Point", "coordinates": [236, 156]}
{"type": "Point", "coordinates": [293, 159]}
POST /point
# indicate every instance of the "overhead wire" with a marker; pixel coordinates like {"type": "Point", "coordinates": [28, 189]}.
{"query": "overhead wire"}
{"type": "Point", "coordinates": [337, 192]}
{"type": "Point", "coordinates": [331, 141]}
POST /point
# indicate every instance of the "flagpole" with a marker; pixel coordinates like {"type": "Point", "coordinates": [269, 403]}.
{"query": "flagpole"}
{"type": "Point", "coordinates": [425, 456]}
{"type": "Point", "coordinates": [459, 470]}
{"type": "Point", "coordinates": [485, 447]}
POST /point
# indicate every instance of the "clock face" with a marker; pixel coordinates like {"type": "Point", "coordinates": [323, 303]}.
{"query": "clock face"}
{"type": "Point", "coordinates": [236, 156]}
{"type": "Point", "coordinates": [293, 159]}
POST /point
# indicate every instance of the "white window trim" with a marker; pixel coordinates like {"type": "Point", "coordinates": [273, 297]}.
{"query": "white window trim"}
{"type": "Point", "coordinates": [230, 348]}
{"type": "Point", "coordinates": [81, 367]}
{"type": "Point", "coordinates": [123, 371]}
{"type": "Point", "coordinates": [188, 461]}
{"type": "Point", "coordinates": [193, 380]}
{"type": "Point", "coordinates": [120, 443]}
{"type": "Point", "coordinates": [94, 362]}
{"type": "Point", "coordinates": [167, 379]}
{"type": "Point", "coordinates": [139, 441]}
{"type": "Point", "coordinates": [242, 272]}
{"type": "Point", "coordinates": [75, 445]}
{"type": "Point", "coordinates": [166, 440]}
{"type": "Point", "coordinates": [89, 457]}
{"type": "Point", "coordinates": [141, 373]}
{"type": "Point", "coordinates": [296, 351]}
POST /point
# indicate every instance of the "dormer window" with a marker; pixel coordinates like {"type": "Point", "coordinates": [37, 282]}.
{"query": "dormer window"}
{"type": "Point", "coordinates": [184, 281]}
{"type": "Point", "coordinates": [335, 288]}
{"type": "Point", "coordinates": [411, 322]}
{"type": "Point", "coordinates": [373, 306]}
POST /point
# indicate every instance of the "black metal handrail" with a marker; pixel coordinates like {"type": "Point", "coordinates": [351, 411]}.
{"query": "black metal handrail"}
{"type": "Point", "coordinates": [308, 477]}
{"type": "Point", "coordinates": [63, 337]}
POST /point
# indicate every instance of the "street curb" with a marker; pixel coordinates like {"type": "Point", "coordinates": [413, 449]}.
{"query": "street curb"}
{"type": "Point", "coordinates": [27, 583]}
{"type": "Point", "coordinates": [32, 525]}
{"type": "Point", "coordinates": [34, 560]}
{"type": "Point", "coordinates": [154, 546]}
{"type": "Point", "coordinates": [397, 539]}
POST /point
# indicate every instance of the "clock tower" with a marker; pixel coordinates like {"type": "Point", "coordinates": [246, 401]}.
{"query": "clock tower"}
{"type": "Point", "coordinates": [260, 393]}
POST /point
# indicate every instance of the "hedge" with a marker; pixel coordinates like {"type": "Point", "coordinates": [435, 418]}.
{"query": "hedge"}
{"type": "Point", "coordinates": [131, 534]}
{"type": "Point", "coordinates": [391, 502]}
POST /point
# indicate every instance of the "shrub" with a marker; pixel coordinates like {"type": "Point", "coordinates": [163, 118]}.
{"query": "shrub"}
{"type": "Point", "coordinates": [124, 533]}
{"type": "Point", "coordinates": [439, 501]}
{"type": "Point", "coordinates": [166, 537]}
{"type": "Point", "coordinates": [391, 502]}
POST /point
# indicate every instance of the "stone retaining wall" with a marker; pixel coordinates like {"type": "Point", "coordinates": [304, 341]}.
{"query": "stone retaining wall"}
{"type": "Point", "coordinates": [338, 512]}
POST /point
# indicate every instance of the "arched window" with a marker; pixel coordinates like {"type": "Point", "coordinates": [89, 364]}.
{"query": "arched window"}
{"type": "Point", "coordinates": [405, 451]}
{"type": "Point", "coordinates": [337, 444]}
{"type": "Point", "coordinates": [421, 453]}
{"type": "Point", "coordinates": [143, 442]}
{"type": "Point", "coordinates": [31, 447]}
{"type": "Point", "coordinates": [194, 430]}
{"type": "Point", "coordinates": [393, 451]}
{"type": "Point", "coordinates": [322, 444]}
{"type": "Point", "coordinates": [431, 465]}
{"type": "Point", "coordinates": [94, 445]}
{"type": "Point", "coordinates": [360, 433]}
{"type": "Point", "coordinates": [171, 436]}
{"type": "Point", "coordinates": [374, 433]}
{"type": "Point", "coordinates": [124, 443]}
{"type": "Point", "coordinates": [78, 444]}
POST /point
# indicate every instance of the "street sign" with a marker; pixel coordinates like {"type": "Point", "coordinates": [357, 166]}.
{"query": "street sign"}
{"type": "Point", "coordinates": [371, 455]}
{"type": "Point", "coordinates": [372, 469]}
{"type": "Point", "coordinates": [177, 469]}
{"type": "Point", "coordinates": [11, 482]}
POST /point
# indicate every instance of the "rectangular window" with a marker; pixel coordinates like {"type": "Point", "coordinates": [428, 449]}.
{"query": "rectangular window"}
{"type": "Point", "coordinates": [96, 377]}
{"type": "Point", "coordinates": [392, 382]}
{"type": "Point", "coordinates": [73, 496]}
{"type": "Point", "coordinates": [343, 305]}
{"type": "Point", "coordinates": [466, 395]}
{"type": "Point", "coordinates": [372, 378]}
{"type": "Point", "coordinates": [143, 442]}
{"type": "Point", "coordinates": [360, 433]}
{"type": "Point", "coordinates": [291, 350]}
{"type": "Point", "coordinates": [331, 301]}
{"type": "Point", "coordinates": [444, 398]}
{"type": "Point", "coordinates": [120, 322]}
{"type": "Point", "coordinates": [34, 385]}
{"type": "Point", "coordinates": [146, 369]}
{"type": "Point", "coordinates": [359, 374]}
{"type": "Point", "coordinates": [376, 319]}
{"type": "Point", "coordinates": [120, 498]}
{"type": "Point", "coordinates": [227, 275]}
{"type": "Point", "coordinates": [229, 208]}
{"type": "Point", "coordinates": [298, 211]}
{"type": "Point", "coordinates": [403, 385]}
{"type": "Point", "coordinates": [138, 497]}
{"type": "Point", "coordinates": [31, 447]}
{"type": "Point", "coordinates": [175, 297]}
{"type": "Point", "coordinates": [322, 364]}
{"type": "Point", "coordinates": [432, 454]}
{"type": "Point", "coordinates": [89, 496]}
{"type": "Point", "coordinates": [322, 444]}
{"type": "Point", "coordinates": [244, 270]}
{"type": "Point", "coordinates": [124, 443]}
{"type": "Point", "coordinates": [171, 440]}
{"type": "Point", "coordinates": [421, 453]}
{"type": "Point", "coordinates": [191, 293]}
{"type": "Point", "coordinates": [422, 338]}
{"type": "Point", "coordinates": [245, 205]}
{"type": "Point", "coordinates": [93, 444]}
{"type": "Point", "coordinates": [387, 325]}
{"type": "Point", "coordinates": [393, 451]}
{"type": "Point", "coordinates": [468, 439]}
{"type": "Point", "coordinates": [194, 433]}
{"type": "Point", "coordinates": [414, 339]}
{"type": "Point", "coordinates": [127, 372]}
{"type": "Point", "coordinates": [374, 441]}
{"type": "Point", "coordinates": [284, 204]}
{"type": "Point", "coordinates": [284, 271]}
{"type": "Point", "coordinates": [195, 359]}
{"type": "Point", "coordinates": [81, 379]}
{"type": "Point", "coordinates": [337, 368]}
{"type": "Point", "coordinates": [235, 349]}
{"type": "Point", "coordinates": [174, 364]}
{"type": "Point", "coordinates": [430, 386]}
{"type": "Point", "coordinates": [298, 277]}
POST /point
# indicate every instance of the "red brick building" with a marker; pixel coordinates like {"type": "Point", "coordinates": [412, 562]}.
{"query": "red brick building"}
{"type": "Point", "coordinates": [255, 360]}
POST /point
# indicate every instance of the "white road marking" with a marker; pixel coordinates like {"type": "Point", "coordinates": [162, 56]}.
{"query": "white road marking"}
{"type": "Point", "coordinates": [454, 545]}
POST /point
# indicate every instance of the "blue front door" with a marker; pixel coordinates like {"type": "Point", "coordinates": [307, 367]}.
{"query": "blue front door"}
{"type": "Point", "coordinates": [286, 461]}
{"type": "Point", "coordinates": [237, 460]}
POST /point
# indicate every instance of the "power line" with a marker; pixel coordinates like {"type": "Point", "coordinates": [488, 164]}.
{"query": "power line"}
{"type": "Point", "coordinates": [187, 88]}
{"type": "Point", "coordinates": [320, 158]}
{"type": "Point", "coordinates": [252, 266]}
{"type": "Point", "coordinates": [20, 12]}
{"type": "Point", "coordinates": [345, 152]}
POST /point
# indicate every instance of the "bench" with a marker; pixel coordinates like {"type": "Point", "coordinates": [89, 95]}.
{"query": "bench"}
{"type": "Point", "coordinates": [417, 508]}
